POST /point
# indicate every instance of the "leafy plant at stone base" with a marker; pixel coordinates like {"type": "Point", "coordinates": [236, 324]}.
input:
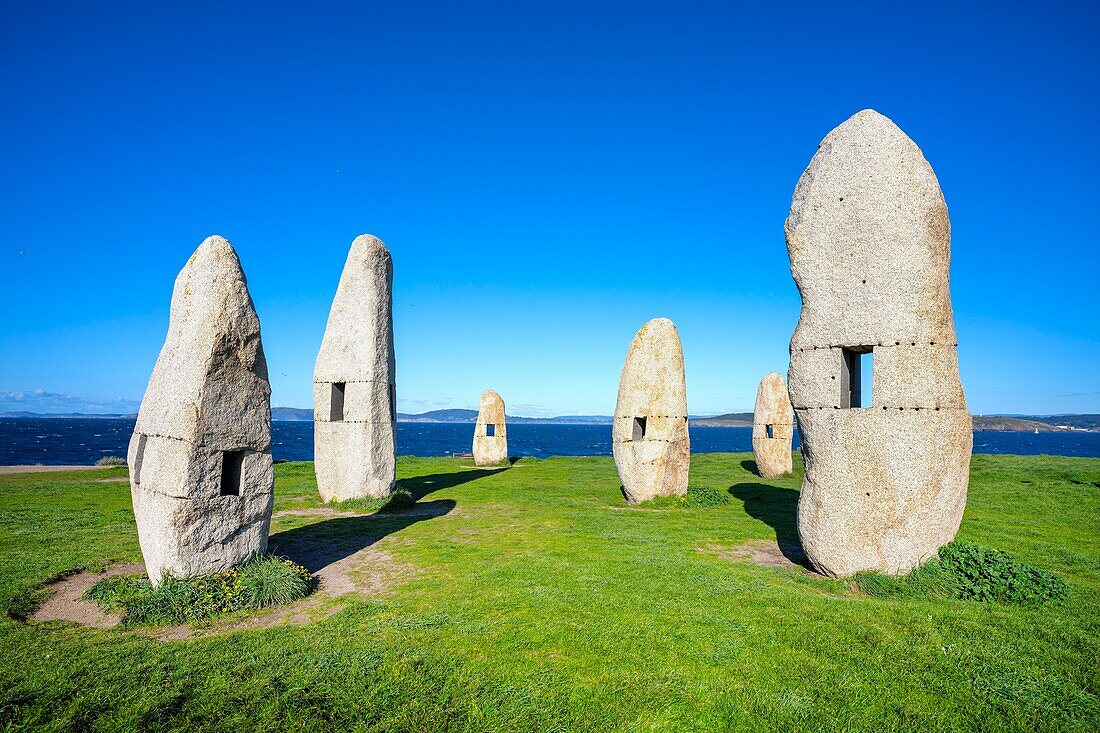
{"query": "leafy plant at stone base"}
{"type": "Point", "coordinates": [258, 583]}
{"type": "Point", "coordinates": [970, 572]}
{"type": "Point", "coordinates": [399, 500]}
{"type": "Point", "coordinates": [697, 497]}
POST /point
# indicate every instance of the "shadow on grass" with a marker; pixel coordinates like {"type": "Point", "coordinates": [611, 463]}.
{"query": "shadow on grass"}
{"type": "Point", "coordinates": [421, 486]}
{"type": "Point", "coordinates": [316, 546]}
{"type": "Point", "coordinates": [750, 466]}
{"type": "Point", "coordinates": [778, 508]}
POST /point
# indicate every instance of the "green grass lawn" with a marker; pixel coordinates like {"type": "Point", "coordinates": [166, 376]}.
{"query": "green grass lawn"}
{"type": "Point", "coordinates": [533, 598]}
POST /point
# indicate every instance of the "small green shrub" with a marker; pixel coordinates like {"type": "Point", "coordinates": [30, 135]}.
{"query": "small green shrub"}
{"type": "Point", "coordinates": [991, 575]}
{"type": "Point", "coordinates": [969, 572]}
{"type": "Point", "coordinates": [258, 583]}
{"type": "Point", "coordinates": [264, 583]}
{"type": "Point", "coordinates": [399, 500]}
{"type": "Point", "coordinates": [697, 497]}
{"type": "Point", "coordinates": [111, 461]}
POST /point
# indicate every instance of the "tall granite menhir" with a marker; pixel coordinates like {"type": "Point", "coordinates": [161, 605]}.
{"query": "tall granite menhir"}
{"type": "Point", "coordinates": [354, 391]}
{"type": "Point", "coordinates": [201, 473]}
{"type": "Point", "coordinates": [870, 244]}
{"type": "Point", "coordinates": [650, 433]}
{"type": "Point", "coordinates": [491, 431]}
{"type": "Point", "coordinates": [772, 427]}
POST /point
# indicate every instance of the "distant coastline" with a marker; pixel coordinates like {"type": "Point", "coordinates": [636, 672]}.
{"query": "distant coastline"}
{"type": "Point", "coordinates": [999, 423]}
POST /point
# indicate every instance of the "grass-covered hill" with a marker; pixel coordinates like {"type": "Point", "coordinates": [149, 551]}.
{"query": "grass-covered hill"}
{"type": "Point", "coordinates": [534, 598]}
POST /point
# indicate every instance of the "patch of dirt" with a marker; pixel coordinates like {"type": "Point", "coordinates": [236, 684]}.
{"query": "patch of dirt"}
{"type": "Point", "coordinates": [765, 553]}
{"type": "Point", "coordinates": [418, 510]}
{"type": "Point", "coordinates": [113, 480]}
{"type": "Point", "coordinates": [325, 512]}
{"type": "Point", "coordinates": [50, 469]}
{"type": "Point", "coordinates": [65, 601]}
{"type": "Point", "coordinates": [354, 563]}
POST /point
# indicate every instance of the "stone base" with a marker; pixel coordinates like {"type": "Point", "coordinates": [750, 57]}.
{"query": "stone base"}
{"type": "Point", "coordinates": [773, 455]}
{"type": "Point", "coordinates": [354, 460]}
{"type": "Point", "coordinates": [490, 451]}
{"type": "Point", "coordinates": [884, 489]}
{"type": "Point", "coordinates": [653, 468]}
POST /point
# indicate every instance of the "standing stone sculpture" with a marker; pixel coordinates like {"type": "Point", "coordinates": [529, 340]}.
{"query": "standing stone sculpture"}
{"type": "Point", "coordinates": [354, 390]}
{"type": "Point", "coordinates": [870, 243]}
{"type": "Point", "coordinates": [491, 431]}
{"type": "Point", "coordinates": [201, 474]}
{"type": "Point", "coordinates": [772, 427]}
{"type": "Point", "coordinates": [650, 433]}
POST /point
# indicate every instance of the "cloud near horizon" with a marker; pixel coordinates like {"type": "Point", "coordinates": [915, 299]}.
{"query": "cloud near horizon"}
{"type": "Point", "coordinates": [39, 400]}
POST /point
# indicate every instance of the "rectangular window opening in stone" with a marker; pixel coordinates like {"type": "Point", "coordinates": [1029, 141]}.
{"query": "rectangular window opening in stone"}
{"type": "Point", "coordinates": [638, 433]}
{"type": "Point", "coordinates": [770, 429]}
{"type": "Point", "coordinates": [490, 430]}
{"type": "Point", "coordinates": [139, 458]}
{"type": "Point", "coordinates": [336, 402]}
{"type": "Point", "coordinates": [856, 376]}
{"type": "Point", "coordinates": [231, 472]}
{"type": "Point", "coordinates": [393, 403]}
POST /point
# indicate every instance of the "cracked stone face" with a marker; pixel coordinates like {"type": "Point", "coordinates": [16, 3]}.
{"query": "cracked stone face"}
{"type": "Point", "coordinates": [491, 431]}
{"type": "Point", "coordinates": [201, 474]}
{"type": "Point", "coordinates": [354, 385]}
{"type": "Point", "coordinates": [772, 427]}
{"type": "Point", "coordinates": [869, 241]}
{"type": "Point", "coordinates": [650, 433]}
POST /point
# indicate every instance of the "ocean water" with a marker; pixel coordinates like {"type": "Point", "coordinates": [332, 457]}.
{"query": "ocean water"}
{"type": "Point", "coordinates": [64, 441]}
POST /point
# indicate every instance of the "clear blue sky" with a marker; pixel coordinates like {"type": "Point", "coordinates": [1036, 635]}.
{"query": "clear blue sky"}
{"type": "Point", "coordinates": [547, 178]}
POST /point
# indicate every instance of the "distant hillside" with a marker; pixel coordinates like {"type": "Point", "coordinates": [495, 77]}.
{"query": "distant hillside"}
{"type": "Point", "coordinates": [293, 414]}
{"type": "Point", "coordinates": [1009, 424]}
{"type": "Point", "coordinates": [439, 416]}
{"type": "Point", "coordinates": [729, 420]}
{"type": "Point", "coordinates": [1081, 422]}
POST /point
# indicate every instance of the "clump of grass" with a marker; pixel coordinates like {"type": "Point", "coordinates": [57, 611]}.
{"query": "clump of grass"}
{"type": "Point", "coordinates": [969, 572]}
{"type": "Point", "coordinates": [697, 497]}
{"type": "Point", "coordinates": [399, 500]}
{"type": "Point", "coordinates": [111, 461]}
{"type": "Point", "coordinates": [258, 583]}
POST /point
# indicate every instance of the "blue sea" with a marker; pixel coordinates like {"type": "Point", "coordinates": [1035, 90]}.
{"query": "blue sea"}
{"type": "Point", "coordinates": [82, 441]}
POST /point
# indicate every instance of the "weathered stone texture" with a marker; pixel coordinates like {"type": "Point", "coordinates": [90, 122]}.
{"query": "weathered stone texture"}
{"type": "Point", "coordinates": [869, 241]}
{"type": "Point", "coordinates": [206, 410]}
{"type": "Point", "coordinates": [773, 415]}
{"type": "Point", "coordinates": [650, 433]}
{"type": "Point", "coordinates": [490, 450]}
{"type": "Point", "coordinates": [354, 386]}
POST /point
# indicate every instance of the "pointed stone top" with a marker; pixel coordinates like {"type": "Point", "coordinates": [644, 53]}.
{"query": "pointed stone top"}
{"type": "Point", "coordinates": [773, 379]}
{"type": "Point", "coordinates": [773, 404]}
{"type": "Point", "coordinates": [652, 380]}
{"type": "Point", "coordinates": [209, 384]}
{"type": "Point", "coordinates": [358, 341]}
{"type": "Point", "coordinates": [490, 396]}
{"type": "Point", "coordinates": [370, 244]}
{"type": "Point", "coordinates": [870, 241]}
{"type": "Point", "coordinates": [491, 408]}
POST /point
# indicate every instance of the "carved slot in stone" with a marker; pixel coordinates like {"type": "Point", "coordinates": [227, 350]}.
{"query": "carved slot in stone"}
{"type": "Point", "coordinates": [856, 366]}
{"type": "Point", "coordinates": [770, 430]}
{"type": "Point", "coordinates": [336, 402]}
{"type": "Point", "coordinates": [231, 472]}
{"type": "Point", "coordinates": [490, 430]}
{"type": "Point", "coordinates": [142, 440]}
{"type": "Point", "coordinates": [638, 432]}
{"type": "Point", "coordinates": [393, 403]}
